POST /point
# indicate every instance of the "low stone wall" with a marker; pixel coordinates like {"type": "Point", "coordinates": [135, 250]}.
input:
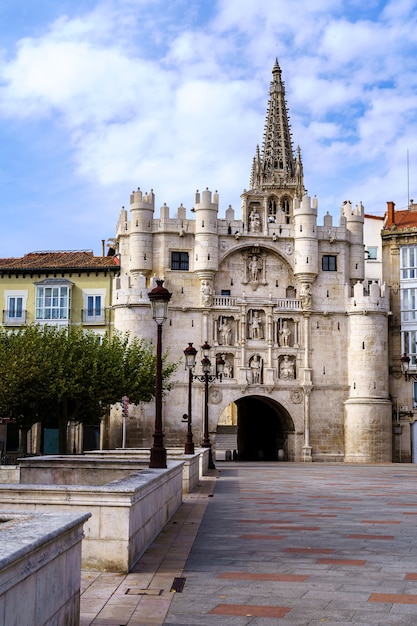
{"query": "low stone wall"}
{"type": "Point", "coordinates": [126, 514]}
{"type": "Point", "coordinates": [9, 473]}
{"type": "Point", "coordinates": [77, 469]}
{"type": "Point", "coordinates": [195, 465]}
{"type": "Point", "coordinates": [40, 568]}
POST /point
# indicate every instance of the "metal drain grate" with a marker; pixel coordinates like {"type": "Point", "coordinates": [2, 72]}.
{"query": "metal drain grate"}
{"type": "Point", "coordinates": [143, 592]}
{"type": "Point", "coordinates": [178, 585]}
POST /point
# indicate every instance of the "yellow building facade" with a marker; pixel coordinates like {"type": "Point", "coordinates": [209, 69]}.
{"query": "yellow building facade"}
{"type": "Point", "coordinates": [63, 289]}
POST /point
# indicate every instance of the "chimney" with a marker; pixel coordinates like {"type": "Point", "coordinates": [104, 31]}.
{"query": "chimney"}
{"type": "Point", "coordinates": [390, 214]}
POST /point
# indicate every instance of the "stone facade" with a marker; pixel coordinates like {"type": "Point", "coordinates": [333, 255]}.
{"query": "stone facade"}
{"type": "Point", "coordinates": [399, 261]}
{"type": "Point", "coordinates": [279, 298]}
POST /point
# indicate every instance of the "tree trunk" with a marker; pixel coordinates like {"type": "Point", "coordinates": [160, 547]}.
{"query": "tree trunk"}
{"type": "Point", "coordinates": [62, 428]}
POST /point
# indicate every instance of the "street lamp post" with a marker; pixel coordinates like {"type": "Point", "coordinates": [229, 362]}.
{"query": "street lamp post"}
{"type": "Point", "coordinates": [159, 297]}
{"type": "Point", "coordinates": [207, 378]}
{"type": "Point", "coordinates": [190, 353]}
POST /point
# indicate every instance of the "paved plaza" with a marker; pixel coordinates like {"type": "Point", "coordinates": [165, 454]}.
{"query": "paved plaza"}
{"type": "Point", "coordinates": [282, 543]}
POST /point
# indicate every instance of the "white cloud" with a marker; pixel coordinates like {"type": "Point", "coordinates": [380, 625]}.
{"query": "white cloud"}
{"type": "Point", "coordinates": [173, 95]}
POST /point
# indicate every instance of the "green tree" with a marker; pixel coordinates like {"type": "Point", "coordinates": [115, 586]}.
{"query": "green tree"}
{"type": "Point", "coordinates": [56, 375]}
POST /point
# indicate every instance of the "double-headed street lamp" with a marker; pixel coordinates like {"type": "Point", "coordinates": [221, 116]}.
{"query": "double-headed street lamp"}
{"type": "Point", "coordinates": [205, 378]}
{"type": "Point", "coordinates": [190, 353]}
{"type": "Point", "coordinates": [159, 298]}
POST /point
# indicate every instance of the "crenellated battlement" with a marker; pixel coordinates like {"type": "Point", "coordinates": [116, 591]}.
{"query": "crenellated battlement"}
{"type": "Point", "coordinates": [376, 300]}
{"type": "Point", "coordinates": [353, 214]}
{"type": "Point", "coordinates": [307, 206]}
{"type": "Point", "coordinates": [142, 200]}
{"type": "Point", "coordinates": [206, 200]}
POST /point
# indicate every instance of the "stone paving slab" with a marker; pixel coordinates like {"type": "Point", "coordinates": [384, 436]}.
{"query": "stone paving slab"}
{"type": "Point", "coordinates": [299, 544]}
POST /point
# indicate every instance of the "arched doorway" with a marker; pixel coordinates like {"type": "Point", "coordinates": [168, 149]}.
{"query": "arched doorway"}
{"type": "Point", "coordinates": [260, 427]}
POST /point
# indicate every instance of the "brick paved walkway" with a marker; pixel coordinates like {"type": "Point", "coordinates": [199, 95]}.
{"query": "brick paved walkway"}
{"type": "Point", "coordinates": [299, 544]}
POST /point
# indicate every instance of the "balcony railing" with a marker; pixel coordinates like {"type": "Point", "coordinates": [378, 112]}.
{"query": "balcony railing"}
{"type": "Point", "coordinates": [95, 317]}
{"type": "Point", "coordinates": [224, 301]}
{"type": "Point", "coordinates": [289, 304]}
{"type": "Point", "coordinates": [10, 318]}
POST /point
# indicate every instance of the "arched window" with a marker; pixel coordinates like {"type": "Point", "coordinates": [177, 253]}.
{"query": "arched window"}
{"type": "Point", "coordinates": [286, 203]}
{"type": "Point", "coordinates": [272, 207]}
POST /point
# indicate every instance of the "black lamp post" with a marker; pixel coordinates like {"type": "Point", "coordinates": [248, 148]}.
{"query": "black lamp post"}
{"type": "Point", "coordinates": [159, 298]}
{"type": "Point", "coordinates": [207, 378]}
{"type": "Point", "coordinates": [190, 353]}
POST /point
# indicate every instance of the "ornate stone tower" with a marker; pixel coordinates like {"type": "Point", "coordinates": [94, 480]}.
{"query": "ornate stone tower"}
{"type": "Point", "coordinates": [277, 174]}
{"type": "Point", "coordinates": [280, 301]}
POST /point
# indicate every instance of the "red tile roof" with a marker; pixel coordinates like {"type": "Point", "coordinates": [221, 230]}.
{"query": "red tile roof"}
{"type": "Point", "coordinates": [405, 219]}
{"type": "Point", "coordinates": [374, 217]}
{"type": "Point", "coordinates": [60, 260]}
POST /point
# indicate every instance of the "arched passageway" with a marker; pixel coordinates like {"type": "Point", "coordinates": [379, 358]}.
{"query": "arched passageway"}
{"type": "Point", "coordinates": [263, 426]}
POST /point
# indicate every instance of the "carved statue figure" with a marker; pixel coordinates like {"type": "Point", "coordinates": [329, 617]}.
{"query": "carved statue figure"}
{"type": "Point", "coordinates": [305, 295]}
{"type": "Point", "coordinates": [225, 333]}
{"type": "Point", "coordinates": [256, 369]}
{"type": "Point", "coordinates": [256, 331]}
{"type": "Point", "coordinates": [255, 267]}
{"type": "Point", "coordinates": [284, 335]}
{"type": "Point", "coordinates": [206, 293]}
{"type": "Point", "coordinates": [254, 221]}
{"type": "Point", "coordinates": [228, 367]}
{"type": "Point", "coordinates": [286, 369]}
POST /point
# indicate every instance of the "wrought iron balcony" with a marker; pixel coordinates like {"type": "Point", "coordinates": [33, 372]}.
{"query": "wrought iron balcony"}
{"type": "Point", "coordinates": [11, 318]}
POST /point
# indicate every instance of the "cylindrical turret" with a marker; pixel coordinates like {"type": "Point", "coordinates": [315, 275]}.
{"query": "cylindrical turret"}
{"type": "Point", "coordinates": [355, 218]}
{"type": "Point", "coordinates": [206, 237]}
{"type": "Point", "coordinates": [305, 239]}
{"type": "Point", "coordinates": [142, 208]}
{"type": "Point", "coordinates": [368, 437]}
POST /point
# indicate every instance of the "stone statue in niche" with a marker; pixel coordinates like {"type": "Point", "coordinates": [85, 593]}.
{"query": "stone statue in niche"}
{"type": "Point", "coordinates": [284, 335]}
{"type": "Point", "coordinates": [286, 368]}
{"type": "Point", "coordinates": [225, 332]}
{"type": "Point", "coordinates": [256, 326]}
{"type": "Point", "coordinates": [254, 222]}
{"type": "Point", "coordinates": [228, 365]}
{"type": "Point", "coordinates": [255, 268]}
{"type": "Point", "coordinates": [306, 296]}
{"type": "Point", "coordinates": [256, 367]}
{"type": "Point", "coordinates": [206, 293]}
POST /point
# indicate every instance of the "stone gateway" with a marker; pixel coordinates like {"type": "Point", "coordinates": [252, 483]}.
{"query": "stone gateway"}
{"type": "Point", "coordinates": [277, 296]}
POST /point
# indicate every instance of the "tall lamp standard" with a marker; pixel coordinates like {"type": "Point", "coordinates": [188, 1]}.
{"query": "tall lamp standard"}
{"type": "Point", "coordinates": [208, 378]}
{"type": "Point", "coordinates": [190, 353]}
{"type": "Point", "coordinates": [159, 297]}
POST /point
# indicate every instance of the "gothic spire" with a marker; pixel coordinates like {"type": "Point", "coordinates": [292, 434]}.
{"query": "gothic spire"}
{"type": "Point", "coordinates": [277, 166]}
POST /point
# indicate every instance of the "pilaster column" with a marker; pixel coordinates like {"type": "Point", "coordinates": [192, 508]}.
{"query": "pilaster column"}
{"type": "Point", "coordinates": [307, 457]}
{"type": "Point", "coordinates": [206, 329]}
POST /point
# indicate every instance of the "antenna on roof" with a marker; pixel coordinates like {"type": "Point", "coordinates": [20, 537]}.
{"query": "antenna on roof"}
{"type": "Point", "coordinates": [408, 180]}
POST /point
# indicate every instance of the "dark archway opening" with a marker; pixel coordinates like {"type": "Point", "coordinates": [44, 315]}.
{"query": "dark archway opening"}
{"type": "Point", "coordinates": [263, 427]}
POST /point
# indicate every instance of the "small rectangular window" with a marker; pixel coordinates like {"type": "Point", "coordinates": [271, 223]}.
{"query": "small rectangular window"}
{"type": "Point", "coordinates": [179, 261]}
{"type": "Point", "coordinates": [15, 307]}
{"type": "Point", "coordinates": [372, 253]}
{"type": "Point", "coordinates": [328, 263]}
{"type": "Point", "coordinates": [225, 292]}
{"type": "Point", "coordinates": [93, 306]}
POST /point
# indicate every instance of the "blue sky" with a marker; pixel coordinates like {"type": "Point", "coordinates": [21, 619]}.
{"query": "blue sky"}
{"type": "Point", "coordinates": [100, 97]}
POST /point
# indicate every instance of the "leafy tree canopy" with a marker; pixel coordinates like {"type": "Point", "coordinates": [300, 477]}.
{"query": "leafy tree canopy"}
{"type": "Point", "coordinates": [54, 375]}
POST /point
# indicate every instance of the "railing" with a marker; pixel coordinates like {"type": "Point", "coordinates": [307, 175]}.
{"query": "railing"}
{"type": "Point", "coordinates": [292, 304]}
{"type": "Point", "coordinates": [93, 317]}
{"type": "Point", "coordinates": [224, 301]}
{"type": "Point", "coordinates": [11, 319]}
